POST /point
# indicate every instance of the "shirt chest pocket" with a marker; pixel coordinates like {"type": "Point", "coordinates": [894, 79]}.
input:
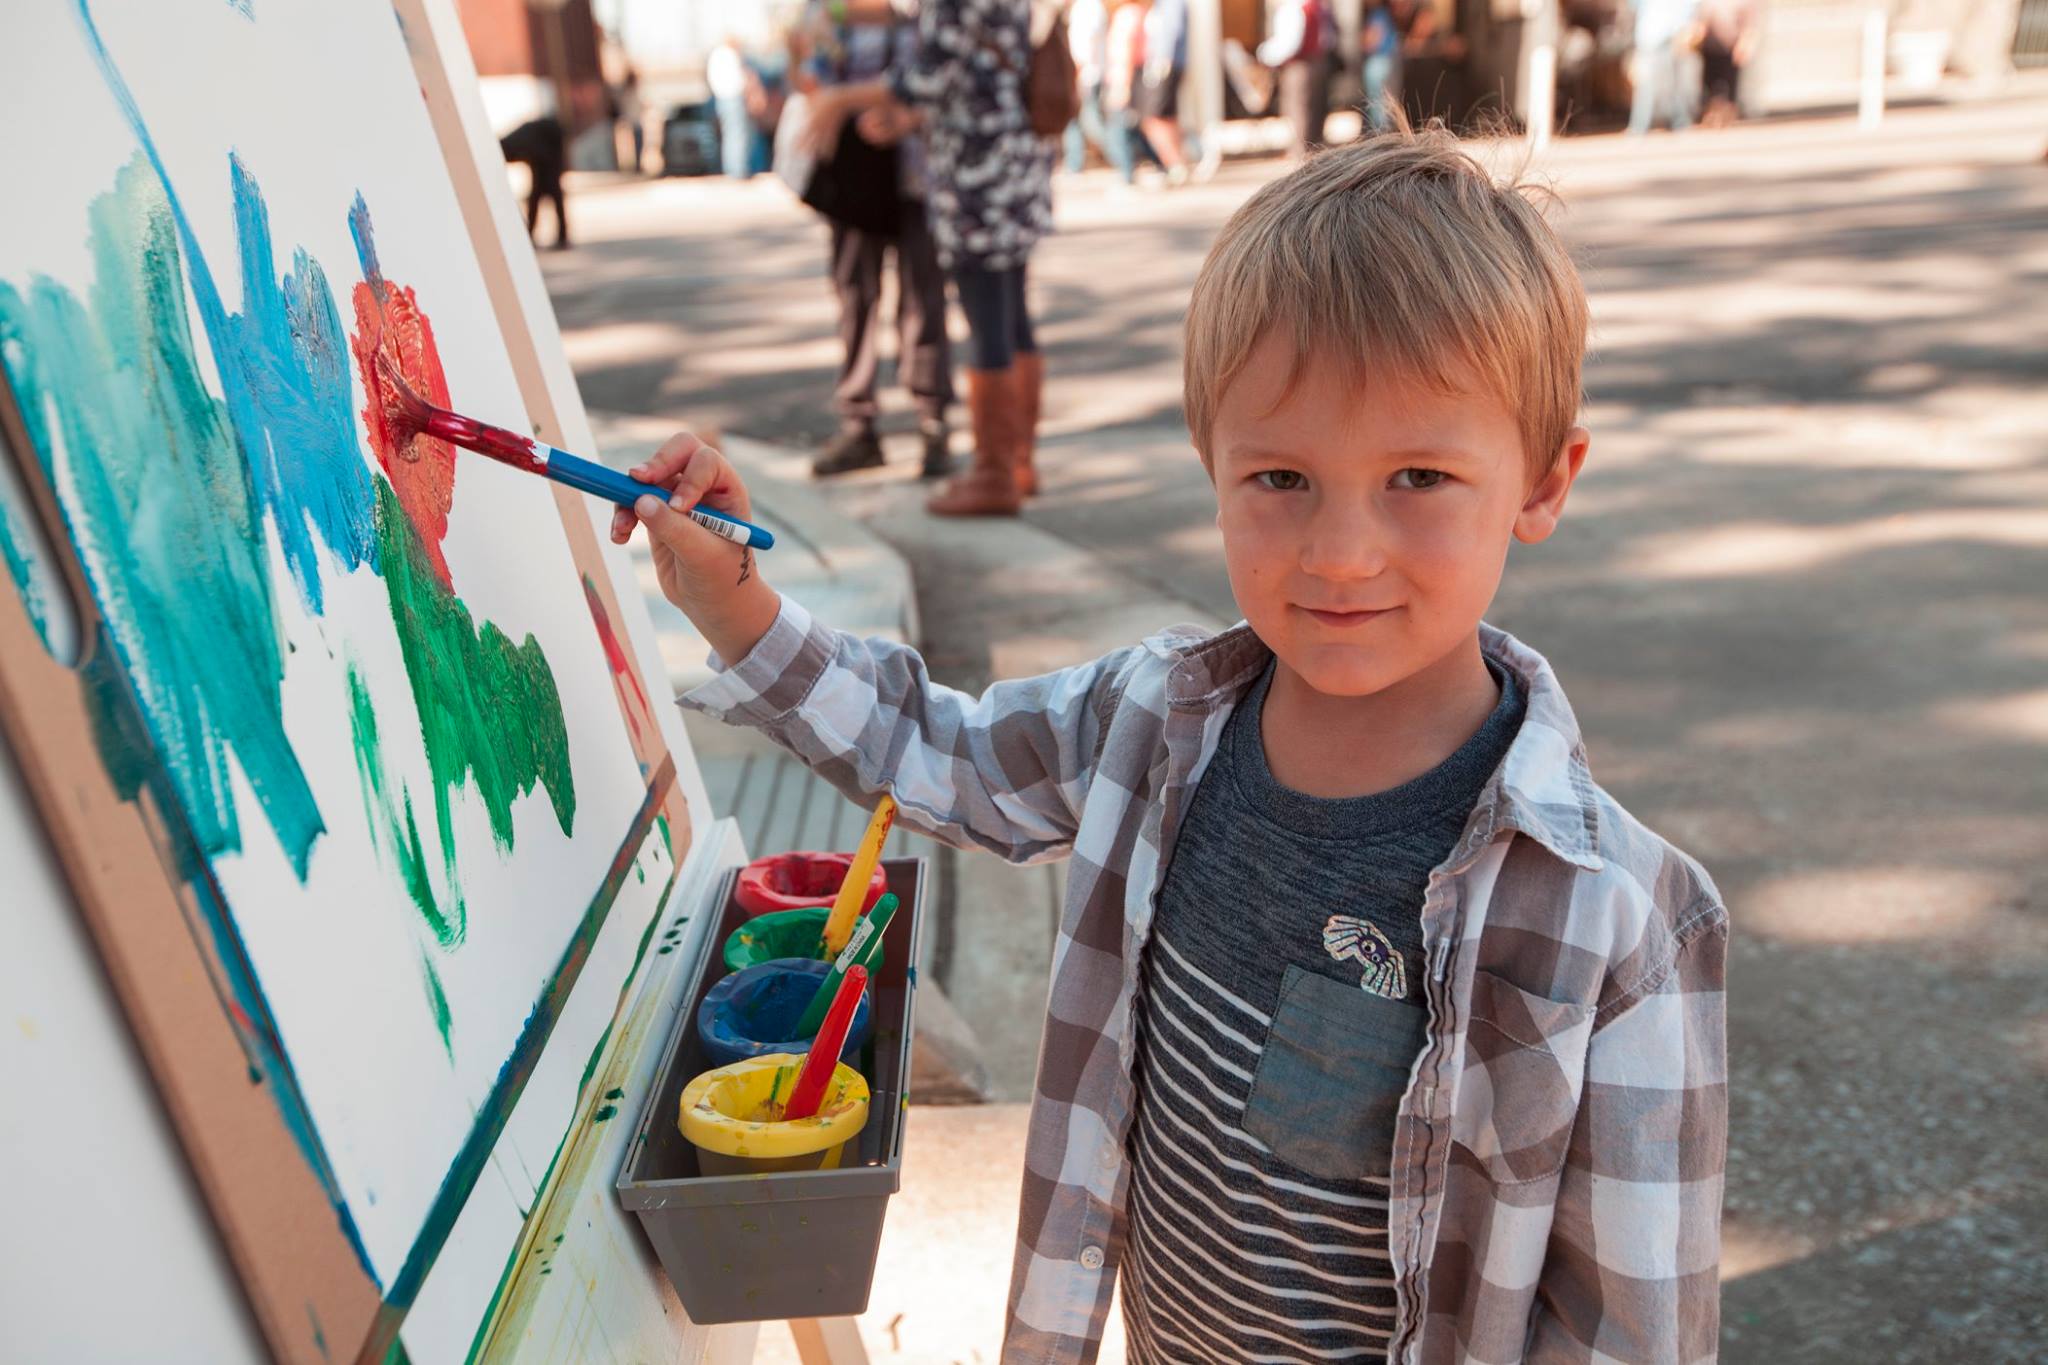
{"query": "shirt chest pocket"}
{"type": "Point", "coordinates": [1525, 1065]}
{"type": "Point", "coordinates": [1331, 1076]}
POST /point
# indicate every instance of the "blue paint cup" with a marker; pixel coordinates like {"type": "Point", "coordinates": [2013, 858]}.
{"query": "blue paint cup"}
{"type": "Point", "coordinates": [755, 1012]}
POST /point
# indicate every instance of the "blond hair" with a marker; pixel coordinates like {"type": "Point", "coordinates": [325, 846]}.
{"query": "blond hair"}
{"type": "Point", "coordinates": [1399, 254]}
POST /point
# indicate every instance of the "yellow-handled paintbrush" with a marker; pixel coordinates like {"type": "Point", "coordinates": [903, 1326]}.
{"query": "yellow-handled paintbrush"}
{"type": "Point", "coordinates": [852, 891]}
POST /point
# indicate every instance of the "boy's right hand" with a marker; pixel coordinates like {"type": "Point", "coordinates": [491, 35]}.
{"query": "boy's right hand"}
{"type": "Point", "coordinates": [698, 569]}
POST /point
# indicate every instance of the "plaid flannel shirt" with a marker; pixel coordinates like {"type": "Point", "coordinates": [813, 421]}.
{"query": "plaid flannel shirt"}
{"type": "Point", "coordinates": [1558, 1156]}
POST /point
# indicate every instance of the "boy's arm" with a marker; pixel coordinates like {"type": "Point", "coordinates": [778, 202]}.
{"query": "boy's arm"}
{"type": "Point", "coordinates": [1005, 772]}
{"type": "Point", "coordinates": [1633, 1268]}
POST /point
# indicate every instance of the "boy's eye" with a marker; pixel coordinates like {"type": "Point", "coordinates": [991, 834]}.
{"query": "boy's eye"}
{"type": "Point", "coordinates": [1419, 478]}
{"type": "Point", "coordinates": [1280, 480]}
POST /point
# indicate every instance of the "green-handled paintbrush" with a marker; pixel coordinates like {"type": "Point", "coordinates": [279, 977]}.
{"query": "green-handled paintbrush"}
{"type": "Point", "coordinates": [861, 950]}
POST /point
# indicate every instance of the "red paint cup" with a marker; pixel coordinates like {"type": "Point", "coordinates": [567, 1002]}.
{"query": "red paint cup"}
{"type": "Point", "coordinates": [797, 881]}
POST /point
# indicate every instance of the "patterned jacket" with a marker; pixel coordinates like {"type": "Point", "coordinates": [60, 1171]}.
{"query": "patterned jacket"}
{"type": "Point", "coordinates": [988, 176]}
{"type": "Point", "coordinates": [1558, 1157]}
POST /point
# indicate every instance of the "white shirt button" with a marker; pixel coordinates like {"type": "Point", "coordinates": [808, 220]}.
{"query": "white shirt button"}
{"type": "Point", "coordinates": [1091, 1258]}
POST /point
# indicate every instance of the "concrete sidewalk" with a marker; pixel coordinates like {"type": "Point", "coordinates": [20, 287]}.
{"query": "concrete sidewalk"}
{"type": "Point", "coordinates": [1797, 601]}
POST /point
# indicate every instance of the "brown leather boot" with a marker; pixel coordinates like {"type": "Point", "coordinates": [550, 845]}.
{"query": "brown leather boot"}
{"type": "Point", "coordinates": [988, 488]}
{"type": "Point", "coordinates": [1030, 369]}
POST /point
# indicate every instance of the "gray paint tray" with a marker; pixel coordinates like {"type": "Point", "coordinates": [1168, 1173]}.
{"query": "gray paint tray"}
{"type": "Point", "coordinates": [796, 1244]}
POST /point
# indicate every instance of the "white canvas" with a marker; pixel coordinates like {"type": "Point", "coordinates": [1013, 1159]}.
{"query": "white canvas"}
{"type": "Point", "coordinates": [320, 104]}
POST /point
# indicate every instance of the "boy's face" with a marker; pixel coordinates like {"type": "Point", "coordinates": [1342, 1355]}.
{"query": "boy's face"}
{"type": "Point", "coordinates": [1365, 525]}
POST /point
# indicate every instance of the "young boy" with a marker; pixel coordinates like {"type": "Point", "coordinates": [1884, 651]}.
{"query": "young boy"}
{"type": "Point", "coordinates": [1377, 1030]}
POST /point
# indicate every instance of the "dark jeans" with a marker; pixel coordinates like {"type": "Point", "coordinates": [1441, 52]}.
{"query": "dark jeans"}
{"type": "Point", "coordinates": [998, 317]}
{"type": "Point", "coordinates": [924, 363]}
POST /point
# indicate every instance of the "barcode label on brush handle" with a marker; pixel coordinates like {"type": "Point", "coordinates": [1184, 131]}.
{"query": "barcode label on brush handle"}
{"type": "Point", "coordinates": [737, 534]}
{"type": "Point", "coordinates": [863, 930]}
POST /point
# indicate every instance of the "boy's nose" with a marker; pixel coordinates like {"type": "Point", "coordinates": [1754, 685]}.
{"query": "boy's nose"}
{"type": "Point", "coordinates": [1344, 544]}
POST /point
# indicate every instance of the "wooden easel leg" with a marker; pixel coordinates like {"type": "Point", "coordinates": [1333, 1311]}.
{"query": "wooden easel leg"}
{"type": "Point", "coordinates": [731, 1345]}
{"type": "Point", "coordinates": [828, 1341]}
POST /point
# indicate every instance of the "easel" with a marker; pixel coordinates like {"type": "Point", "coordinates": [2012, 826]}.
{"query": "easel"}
{"type": "Point", "coordinates": [305, 1284]}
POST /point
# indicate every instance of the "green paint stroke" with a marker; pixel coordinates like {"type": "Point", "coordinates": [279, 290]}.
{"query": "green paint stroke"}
{"type": "Point", "coordinates": [159, 501]}
{"type": "Point", "coordinates": [489, 711]}
{"type": "Point", "coordinates": [438, 999]}
{"type": "Point", "coordinates": [392, 827]}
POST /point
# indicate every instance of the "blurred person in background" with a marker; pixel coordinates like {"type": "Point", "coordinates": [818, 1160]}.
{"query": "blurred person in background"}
{"type": "Point", "coordinates": [725, 71]}
{"type": "Point", "coordinates": [1299, 50]}
{"type": "Point", "coordinates": [839, 45]}
{"type": "Point", "coordinates": [1665, 31]}
{"type": "Point", "coordinates": [1123, 56]}
{"type": "Point", "coordinates": [1431, 71]}
{"type": "Point", "coordinates": [540, 146]}
{"type": "Point", "coordinates": [768, 87]}
{"type": "Point", "coordinates": [1088, 43]}
{"type": "Point", "coordinates": [1728, 37]}
{"type": "Point", "coordinates": [1379, 63]}
{"type": "Point", "coordinates": [1157, 96]}
{"type": "Point", "coordinates": [630, 110]}
{"type": "Point", "coordinates": [989, 178]}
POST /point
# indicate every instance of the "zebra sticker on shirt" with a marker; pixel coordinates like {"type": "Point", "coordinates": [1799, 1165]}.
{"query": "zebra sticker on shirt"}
{"type": "Point", "coordinates": [1349, 938]}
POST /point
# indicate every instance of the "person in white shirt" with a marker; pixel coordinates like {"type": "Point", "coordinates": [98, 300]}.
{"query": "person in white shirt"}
{"type": "Point", "coordinates": [725, 71]}
{"type": "Point", "coordinates": [1299, 50]}
{"type": "Point", "coordinates": [1088, 42]}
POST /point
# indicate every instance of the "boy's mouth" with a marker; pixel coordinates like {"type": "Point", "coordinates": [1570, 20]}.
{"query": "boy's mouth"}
{"type": "Point", "coordinates": [1344, 618]}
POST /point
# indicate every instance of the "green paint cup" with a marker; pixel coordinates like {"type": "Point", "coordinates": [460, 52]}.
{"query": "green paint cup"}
{"type": "Point", "coordinates": [783, 933]}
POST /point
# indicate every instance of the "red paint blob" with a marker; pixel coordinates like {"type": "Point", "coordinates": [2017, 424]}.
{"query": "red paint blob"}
{"type": "Point", "coordinates": [420, 465]}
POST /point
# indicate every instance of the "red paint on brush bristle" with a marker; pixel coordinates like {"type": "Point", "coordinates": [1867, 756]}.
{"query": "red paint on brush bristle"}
{"type": "Point", "coordinates": [407, 412]}
{"type": "Point", "coordinates": [416, 415]}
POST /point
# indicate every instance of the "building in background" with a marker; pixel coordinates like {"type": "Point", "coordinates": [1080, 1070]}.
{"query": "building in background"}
{"type": "Point", "coordinates": [552, 56]}
{"type": "Point", "coordinates": [536, 57]}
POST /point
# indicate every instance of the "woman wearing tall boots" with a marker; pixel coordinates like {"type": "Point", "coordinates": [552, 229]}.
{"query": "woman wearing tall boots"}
{"type": "Point", "coordinates": [990, 198]}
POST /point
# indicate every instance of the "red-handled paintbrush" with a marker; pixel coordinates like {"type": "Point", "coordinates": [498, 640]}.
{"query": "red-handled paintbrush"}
{"type": "Point", "coordinates": [823, 1057]}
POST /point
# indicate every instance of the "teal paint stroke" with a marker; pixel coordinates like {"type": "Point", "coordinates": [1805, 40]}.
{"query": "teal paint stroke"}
{"type": "Point", "coordinates": [22, 555]}
{"type": "Point", "coordinates": [283, 366]}
{"type": "Point", "coordinates": [159, 498]}
{"type": "Point", "coordinates": [160, 504]}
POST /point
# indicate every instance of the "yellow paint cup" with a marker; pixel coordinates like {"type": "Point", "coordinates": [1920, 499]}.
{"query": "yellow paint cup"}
{"type": "Point", "coordinates": [729, 1115]}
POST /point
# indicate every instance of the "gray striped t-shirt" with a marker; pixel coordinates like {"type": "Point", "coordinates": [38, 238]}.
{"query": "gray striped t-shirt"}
{"type": "Point", "coordinates": [1281, 1011]}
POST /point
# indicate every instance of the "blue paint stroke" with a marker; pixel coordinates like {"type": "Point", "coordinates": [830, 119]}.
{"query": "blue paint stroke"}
{"type": "Point", "coordinates": [269, 375]}
{"type": "Point", "coordinates": [289, 397]}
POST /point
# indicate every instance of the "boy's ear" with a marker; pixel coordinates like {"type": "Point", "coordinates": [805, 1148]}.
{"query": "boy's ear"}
{"type": "Point", "coordinates": [1545, 503]}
